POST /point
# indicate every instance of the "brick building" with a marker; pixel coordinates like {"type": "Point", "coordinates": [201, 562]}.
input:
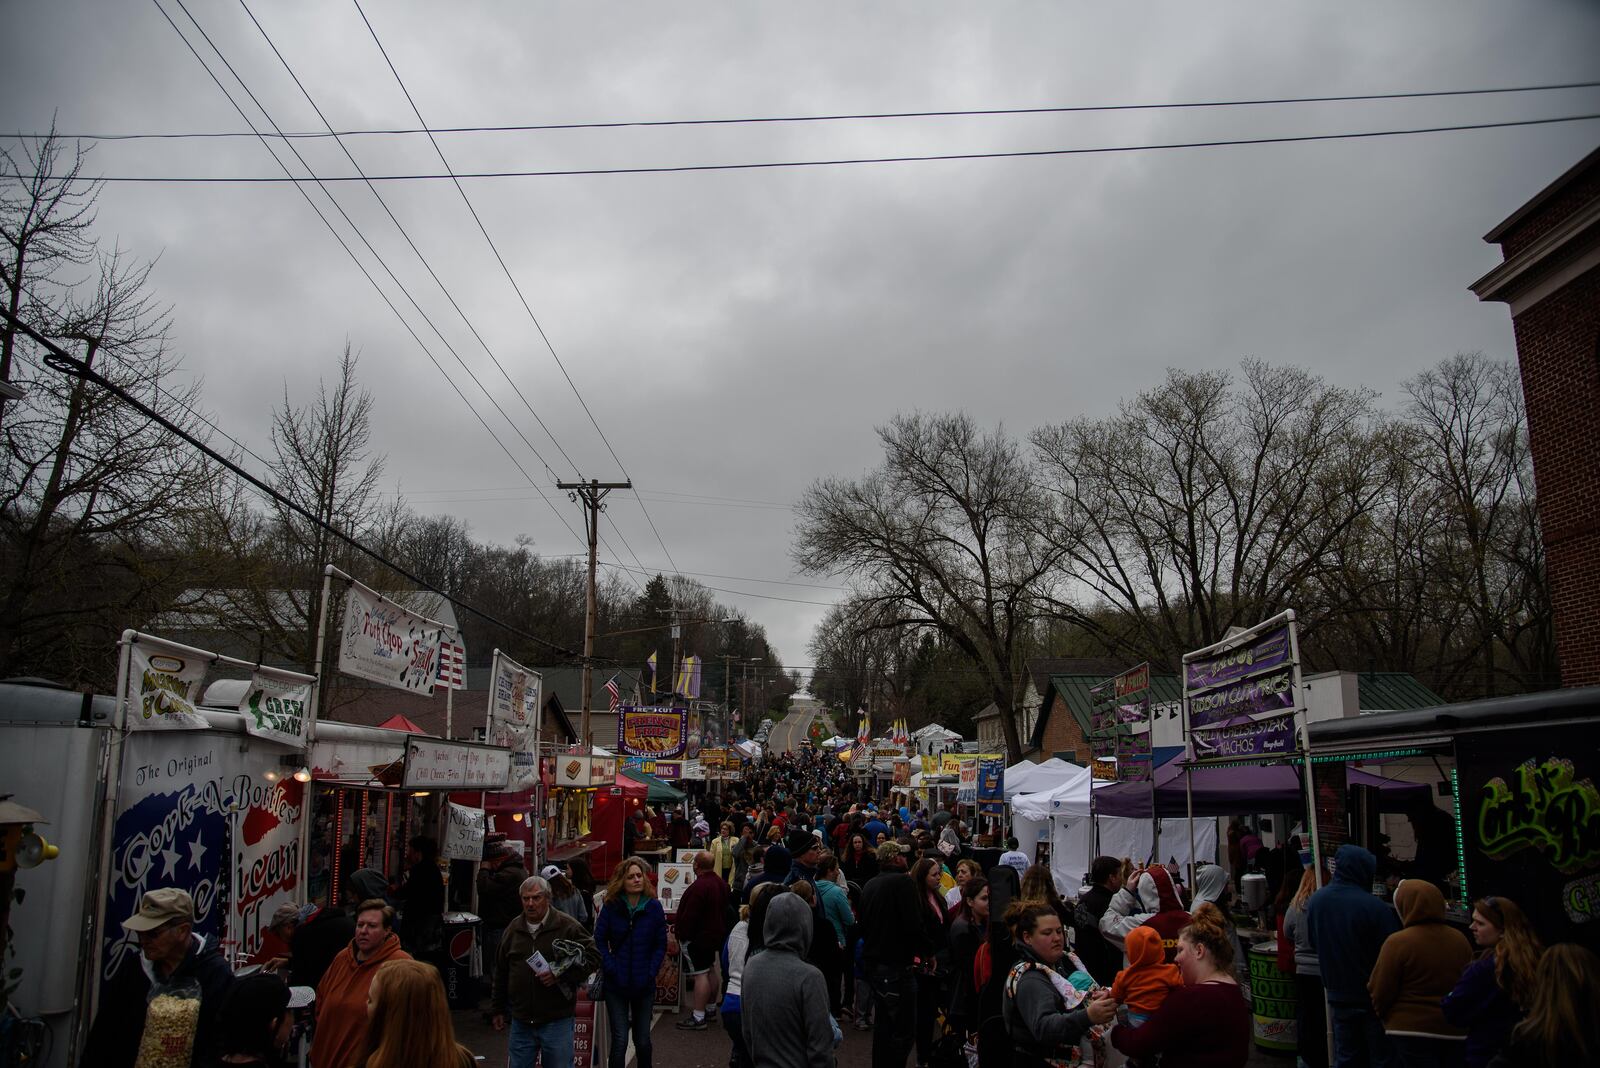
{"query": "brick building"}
{"type": "Point", "coordinates": [1550, 277]}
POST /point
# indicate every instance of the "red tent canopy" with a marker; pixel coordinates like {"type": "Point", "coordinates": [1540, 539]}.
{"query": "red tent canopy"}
{"type": "Point", "coordinates": [398, 722]}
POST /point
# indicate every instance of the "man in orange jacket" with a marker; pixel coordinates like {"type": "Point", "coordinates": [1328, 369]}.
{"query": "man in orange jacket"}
{"type": "Point", "coordinates": [342, 994]}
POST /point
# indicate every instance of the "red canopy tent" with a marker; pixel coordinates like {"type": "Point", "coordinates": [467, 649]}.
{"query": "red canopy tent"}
{"type": "Point", "coordinates": [398, 722]}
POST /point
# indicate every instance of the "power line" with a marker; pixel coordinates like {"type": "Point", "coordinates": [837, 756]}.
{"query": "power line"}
{"type": "Point", "coordinates": [518, 289]}
{"type": "Point", "coordinates": [356, 259]}
{"type": "Point", "coordinates": [692, 168]}
{"type": "Point", "coordinates": [850, 117]}
{"type": "Point", "coordinates": [420, 257]}
{"type": "Point", "coordinates": [63, 362]}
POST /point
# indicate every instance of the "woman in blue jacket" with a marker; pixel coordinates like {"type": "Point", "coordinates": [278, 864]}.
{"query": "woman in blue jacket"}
{"type": "Point", "coordinates": [631, 932]}
{"type": "Point", "coordinates": [1496, 988]}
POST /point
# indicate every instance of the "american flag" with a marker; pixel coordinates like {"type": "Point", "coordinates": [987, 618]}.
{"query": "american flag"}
{"type": "Point", "coordinates": [452, 666]}
{"type": "Point", "coordinates": [615, 691]}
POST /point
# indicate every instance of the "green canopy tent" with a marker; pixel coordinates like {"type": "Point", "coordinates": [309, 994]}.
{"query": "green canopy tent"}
{"type": "Point", "coordinates": [658, 789]}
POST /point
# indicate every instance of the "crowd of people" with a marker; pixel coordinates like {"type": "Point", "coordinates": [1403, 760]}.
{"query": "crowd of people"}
{"type": "Point", "coordinates": [814, 909]}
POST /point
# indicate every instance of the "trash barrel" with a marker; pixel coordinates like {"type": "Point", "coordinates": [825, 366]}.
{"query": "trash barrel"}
{"type": "Point", "coordinates": [461, 969]}
{"type": "Point", "coordinates": [1272, 999]}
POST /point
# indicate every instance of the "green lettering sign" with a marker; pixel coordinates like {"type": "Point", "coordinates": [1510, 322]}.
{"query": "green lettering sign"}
{"type": "Point", "coordinates": [1542, 808]}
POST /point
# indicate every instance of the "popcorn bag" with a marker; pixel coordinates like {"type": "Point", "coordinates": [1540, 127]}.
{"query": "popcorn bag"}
{"type": "Point", "coordinates": [170, 1021]}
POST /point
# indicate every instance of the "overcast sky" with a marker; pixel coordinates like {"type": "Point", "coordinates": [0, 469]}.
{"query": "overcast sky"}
{"type": "Point", "coordinates": [738, 334]}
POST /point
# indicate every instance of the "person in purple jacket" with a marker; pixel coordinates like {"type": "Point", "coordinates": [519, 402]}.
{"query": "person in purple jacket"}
{"type": "Point", "coordinates": [631, 934]}
{"type": "Point", "coordinates": [1495, 989]}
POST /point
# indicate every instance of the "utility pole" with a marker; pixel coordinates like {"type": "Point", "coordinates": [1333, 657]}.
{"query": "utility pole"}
{"type": "Point", "coordinates": [590, 494]}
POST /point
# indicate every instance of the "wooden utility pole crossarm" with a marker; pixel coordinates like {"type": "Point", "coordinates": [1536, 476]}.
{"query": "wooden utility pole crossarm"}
{"type": "Point", "coordinates": [590, 494]}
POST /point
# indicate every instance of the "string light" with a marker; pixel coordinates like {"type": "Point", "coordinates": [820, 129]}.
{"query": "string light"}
{"type": "Point", "coordinates": [1461, 841]}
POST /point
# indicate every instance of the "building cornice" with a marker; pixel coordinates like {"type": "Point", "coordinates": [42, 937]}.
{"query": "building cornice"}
{"type": "Point", "coordinates": [1522, 281]}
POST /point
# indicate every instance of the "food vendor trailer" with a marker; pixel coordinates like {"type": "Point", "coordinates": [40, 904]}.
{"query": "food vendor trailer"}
{"type": "Point", "coordinates": [213, 807]}
{"type": "Point", "coordinates": [1518, 774]}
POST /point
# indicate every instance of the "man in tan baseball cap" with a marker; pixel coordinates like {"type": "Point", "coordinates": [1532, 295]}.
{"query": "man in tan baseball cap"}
{"type": "Point", "coordinates": [164, 928]}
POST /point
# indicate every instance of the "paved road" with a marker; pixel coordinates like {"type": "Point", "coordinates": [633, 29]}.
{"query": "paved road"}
{"type": "Point", "coordinates": [787, 735]}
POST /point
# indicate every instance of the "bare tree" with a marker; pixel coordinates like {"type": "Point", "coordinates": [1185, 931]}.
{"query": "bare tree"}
{"type": "Point", "coordinates": [937, 537]}
{"type": "Point", "coordinates": [1485, 548]}
{"type": "Point", "coordinates": [1203, 504]}
{"type": "Point", "coordinates": [96, 500]}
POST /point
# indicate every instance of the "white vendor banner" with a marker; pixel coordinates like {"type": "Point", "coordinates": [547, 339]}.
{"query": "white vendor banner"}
{"type": "Point", "coordinates": [515, 697]}
{"type": "Point", "coordinates": [463, 833]}
{"type": "Point", "coordinates": [383, 642]}
{"type": "Point", "coordinates": [277, 705]}
{"type": "Point", "coordinates": [163, 685]}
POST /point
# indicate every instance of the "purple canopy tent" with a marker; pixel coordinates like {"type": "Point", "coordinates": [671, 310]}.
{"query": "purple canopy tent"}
{"type": "Point", "coordinates": [1230, 791]}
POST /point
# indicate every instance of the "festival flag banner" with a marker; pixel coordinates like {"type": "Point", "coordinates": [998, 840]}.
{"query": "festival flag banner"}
{"type": "Point", "coordinates": [991, 786]}
{"type": "Point", "coordinates": [164, 685]}
{"type": "Point", "coordinates": [276, 705]}
{"type": "Point", "coordinates": [1133, 771]}
{"type": "Point", "coordinates": [652, 732]}
{"type": "Point", "coordinates": [1133, 746]}
{"type": "Point", "coordinates": [452, 662]}
{"type": "Point", "coordinates": [967, 783]}
{"type": "Point", "coordinates": [650, 662]}
{"type": "Point", "coordinates": [382, 642]}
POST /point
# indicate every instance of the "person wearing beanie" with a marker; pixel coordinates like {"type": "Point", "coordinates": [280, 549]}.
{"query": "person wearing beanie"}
{"type": "Point", "coordinates": [805, 849]}
{"type": "Point", "coordinates": [255, 1023]}
{"type": "Point", "coordinates": [1417, 967]}
{"type": "Point", "coordinates": [775, 869]}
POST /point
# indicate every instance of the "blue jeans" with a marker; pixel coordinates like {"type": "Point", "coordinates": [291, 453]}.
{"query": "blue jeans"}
{"type": "Point", "coordinates": [625, 1012]}
{"type": "Point", "coordinates": [553, 1040]}
{"type": "Point", "coordinates": [1358, 1039]}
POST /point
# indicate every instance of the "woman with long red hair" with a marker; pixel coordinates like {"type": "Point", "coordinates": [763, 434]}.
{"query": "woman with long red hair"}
{"type": "Point", "coordinates": [409, 1020]}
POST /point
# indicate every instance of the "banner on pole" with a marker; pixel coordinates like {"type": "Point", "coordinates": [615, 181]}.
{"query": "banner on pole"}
{"type": "Point", "coordinates": [1258, 695]}
{"type": "Point", "coordinates": [1124, 698]}
{"type": "Point", "coordinates": [515, 700]}
{"type": "Point", "coordinates": [165, 686]}
{"type": "Point", "coordinates": [384, 643]}
{"type": "Point", "coordinates": [652, 732]}
{"type": "Point", "coordinates": [276, 705]}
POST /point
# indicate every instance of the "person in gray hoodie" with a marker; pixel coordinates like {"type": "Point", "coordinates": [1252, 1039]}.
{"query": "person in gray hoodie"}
{"type": "Point", "coordinates": [784, 999]}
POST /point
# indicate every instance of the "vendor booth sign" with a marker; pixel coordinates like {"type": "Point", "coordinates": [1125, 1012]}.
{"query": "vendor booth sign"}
{"type": "Point", "coordinates": [276, 705]}
{"type": "Point", "coordinates": [1261, 694]}
{"type": "Point", "coordinates": [1530, 825]}
{"type": "Point", "coordinates": [515, 698]}
{"type": "Point", "coordinates": [652, 732]}
{"type": "Point", "coordinates": [463, 833]}
{"type": "Point", "coordinates": [198, 813]}
{"type": "Point", "coordinates": [164, 685]}
{"type": "Point", "coordinates": [1258, 738]}
{"type": "Point", "coordinates": [1269, 648]}
{"type": "Point", "coordinates": [435, 764]}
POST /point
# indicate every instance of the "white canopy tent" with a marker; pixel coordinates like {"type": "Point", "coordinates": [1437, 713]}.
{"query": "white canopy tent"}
{"type": "Point", "coordinates": [1026, 777]}
{"type": "Point", "coordinates": [1069, 796]}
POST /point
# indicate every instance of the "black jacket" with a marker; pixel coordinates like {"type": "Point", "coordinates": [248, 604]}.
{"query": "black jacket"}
{"type": "Point", "coordinates": [113, 1040]}
{"type": "Point", "coordinates": [891, 922]}
{"type": "Point", "coordinates": [500, 893]}
{"type": "Point", "coordinates": [1101, 958]}
{"type": "Point", "coordinates": [316, 942]}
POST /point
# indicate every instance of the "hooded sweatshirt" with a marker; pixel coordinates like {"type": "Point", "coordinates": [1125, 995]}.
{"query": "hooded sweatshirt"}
{"type": "Point", "coordinates": [1210, 883]}
{"type": "Point", "coordinates": [1149, 901]}
{"type": "Point", "coordinates": [776, 870]}
{"type": "Point", "coordinates": [341, 1004]}
{"type": "Point", "coordinates": [784, 999]}
{"type": "Point", "coordinates": [1347, 926]}
{"type": "Point", "coordinates": [1418, 965]}
{"type": "Point", "coordinates": [1143, 985]}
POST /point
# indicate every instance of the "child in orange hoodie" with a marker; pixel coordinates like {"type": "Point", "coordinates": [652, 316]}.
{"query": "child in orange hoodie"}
{"type": "Point", "coordinates": [1142, 986]}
